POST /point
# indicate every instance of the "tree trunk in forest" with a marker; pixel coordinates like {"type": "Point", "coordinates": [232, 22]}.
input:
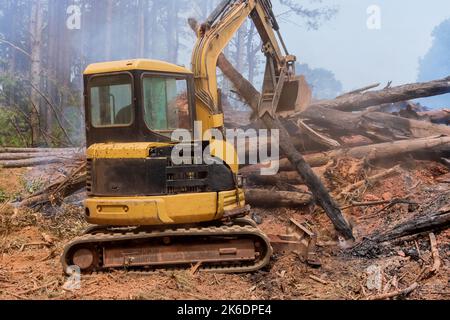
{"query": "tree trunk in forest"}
{"type": "Point", "coordinates": [251, 54]}
{"type": "Point", "coordinates": [13, 53]}
{"type": "Point", "coordinates": [142, 12]}
{"type": "Point", "coordinates": [109, 29]}
{"type": "Point", "coordinates": [172, 30]}
{"type": "Point", "coordinates": [239, 56]}
{"type": "Point", "coordinates": [153, 32]}
{"type": "Point", "coordinates": [53, 58]}
{"type": "Point", "coordinates": [36, 23]}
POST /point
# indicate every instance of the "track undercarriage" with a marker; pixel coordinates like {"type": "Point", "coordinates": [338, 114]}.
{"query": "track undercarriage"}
{"type": "Point", "coordinates": [230, 248]}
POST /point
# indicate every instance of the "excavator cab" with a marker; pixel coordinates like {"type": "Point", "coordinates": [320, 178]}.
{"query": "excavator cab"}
{"type": "Point", "coordinates": [137, 101]}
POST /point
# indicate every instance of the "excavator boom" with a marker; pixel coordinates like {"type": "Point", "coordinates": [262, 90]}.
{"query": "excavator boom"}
{"type": "Point", "coordinates": [280, 84]}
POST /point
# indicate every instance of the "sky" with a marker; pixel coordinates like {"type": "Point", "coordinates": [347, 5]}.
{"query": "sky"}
{"type": "Point", "coordinates": [360, 56]}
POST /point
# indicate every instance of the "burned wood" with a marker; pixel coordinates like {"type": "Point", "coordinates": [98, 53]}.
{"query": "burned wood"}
{"type": "Point", "coordinates": [437, 221]}
{"type": "Point", "coordinates": [354, 204]}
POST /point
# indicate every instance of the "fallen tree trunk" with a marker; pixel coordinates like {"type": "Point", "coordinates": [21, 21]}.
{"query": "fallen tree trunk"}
{"type": "Point", "coordinates": [290, 177]}
{"type": "Point", "coordinates": [24, 163]}
{"type": "Point", "coordinates": [400, 128]}
{"type": "Point", "coordinates": [273, 199]}
{"type": "Point", "coordinates": [382, 126]}
{"type": "Point", "coordinates": [416, 225]}
{"type": "Point", "coordinates": [359, 101]}
{"type": "Point", "coordinates": [437, 116]}
{"type": "Point", "coordinates": [369, 153]}
{"type": "Point", "coordinates": [30, 155]}
{"type": "Point", "coordinates": [38, 150]}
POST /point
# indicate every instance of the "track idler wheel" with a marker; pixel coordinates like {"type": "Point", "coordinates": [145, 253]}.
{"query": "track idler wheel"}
{"type": "Point", "coordinates": [85, 258]}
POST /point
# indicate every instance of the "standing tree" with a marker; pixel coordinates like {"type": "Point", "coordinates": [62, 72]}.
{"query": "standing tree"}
{"type": "Point", "coordinates": [36, 28]}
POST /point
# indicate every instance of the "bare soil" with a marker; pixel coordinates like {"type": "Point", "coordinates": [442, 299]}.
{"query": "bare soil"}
{"type": "Point", "coordinates": [31, 244]}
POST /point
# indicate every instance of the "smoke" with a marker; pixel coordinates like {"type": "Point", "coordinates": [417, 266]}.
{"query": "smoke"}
{"type": "Point", "coordinates": [436, 64]}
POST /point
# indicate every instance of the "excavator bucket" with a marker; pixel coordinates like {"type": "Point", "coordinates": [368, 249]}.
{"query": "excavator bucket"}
{"type": "Point", "coordinates": [295, 96]}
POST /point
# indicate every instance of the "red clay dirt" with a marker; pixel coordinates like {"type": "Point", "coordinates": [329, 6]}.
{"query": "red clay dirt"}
{"type": "Point", "coordinates": [30, 246]}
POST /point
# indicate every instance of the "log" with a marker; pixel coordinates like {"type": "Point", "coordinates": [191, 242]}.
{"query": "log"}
{"type": "Point", "coordinates": [416, 225]}
{"type": "Point", "coordinates": [400, 128]}
{"type": "Point", "coordinates": [290, 177]}
{"type": "Point", "coordinates": [359, 101]}
{"type": "Point", "coordinates": [321, 195]}
{"type": "Point", "coordinates": [383, 126]}
{"type": "Point", "coordinates": [30, 162]}
{"type": "Point", "coordinates": [437, 116]}
{"type": "Point", "coordinates": [361, 90]}
{"type": "Point", "coordinates": [370, 153]}
{"type": "Point", "coordinates": [316, 136]}
{"type": "Point", "coordinates": [38, 150]}
{"type": "Point", "coordinates": [273, 199]}
{"type": "Point", "coordinates": [29, 155]}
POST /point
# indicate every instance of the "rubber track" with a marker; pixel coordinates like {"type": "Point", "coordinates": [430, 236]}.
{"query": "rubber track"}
{"type": "Point", "coordinates": [109, 238]}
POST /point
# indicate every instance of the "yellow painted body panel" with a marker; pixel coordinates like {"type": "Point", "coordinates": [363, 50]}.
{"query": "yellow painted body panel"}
{"type": "Point", "coordinates": [162, 210]}
{"type": "Point", "coordinates": [135, 150]}
{"type": "Point", "coordinates": [136, 64]}
{"type": "Point", "coordinates": [141, 150]}
{"type": "Point", "coordinates": [226, 152]}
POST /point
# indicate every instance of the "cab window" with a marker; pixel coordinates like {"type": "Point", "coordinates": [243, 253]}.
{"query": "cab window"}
{"type": "Point", "coordinates": [111, 100]}
{"type": "Point", "coordinates": [166, 103]}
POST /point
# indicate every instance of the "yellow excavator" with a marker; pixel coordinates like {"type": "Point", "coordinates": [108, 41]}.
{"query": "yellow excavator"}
{"type": "Point", "coordinates": [148, 212]}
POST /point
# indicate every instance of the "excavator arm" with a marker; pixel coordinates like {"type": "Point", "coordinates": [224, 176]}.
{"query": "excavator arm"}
{"type": "Point", "coordinates": [215, 34]}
